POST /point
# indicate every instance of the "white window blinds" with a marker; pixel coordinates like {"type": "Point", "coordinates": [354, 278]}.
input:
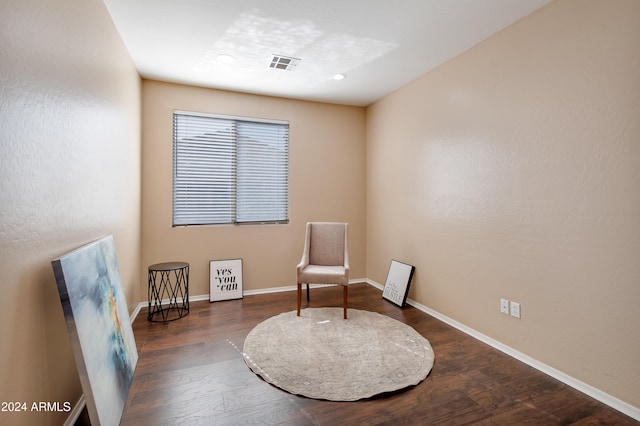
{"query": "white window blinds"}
{"type": "Point", "coordinates": [229, 170]}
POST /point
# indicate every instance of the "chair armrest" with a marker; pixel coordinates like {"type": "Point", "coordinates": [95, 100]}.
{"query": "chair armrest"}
{"type": "Point", "coordinates": [305, 253]}
{"type": "Point", "coordinates": [346, 253]}
{"type": "Point", "coordinates": [303, 263]}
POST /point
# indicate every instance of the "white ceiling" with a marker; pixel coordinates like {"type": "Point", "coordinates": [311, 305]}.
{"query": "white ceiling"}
{"type": "Point", "coordinates": [380, 45]}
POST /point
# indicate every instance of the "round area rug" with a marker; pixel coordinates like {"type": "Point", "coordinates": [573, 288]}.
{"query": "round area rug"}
{"type": "Point", "coordinates": [323, 356]}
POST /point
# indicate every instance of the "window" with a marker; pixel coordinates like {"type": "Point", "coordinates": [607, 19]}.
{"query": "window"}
{"type": "Point", "coordinates": [229, 170]}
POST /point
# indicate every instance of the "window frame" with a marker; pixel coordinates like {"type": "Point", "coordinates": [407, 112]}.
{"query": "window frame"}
{"type": "Point", "coordinates": [280, 143]}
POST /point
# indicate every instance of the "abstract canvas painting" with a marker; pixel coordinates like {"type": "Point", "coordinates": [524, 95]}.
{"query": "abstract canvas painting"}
{"type": "Point", "coordinates": [99, 327]}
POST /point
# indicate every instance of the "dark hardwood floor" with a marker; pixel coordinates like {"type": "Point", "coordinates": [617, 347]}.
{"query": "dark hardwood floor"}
{"type": "Point", "coordinates": [191, 372]}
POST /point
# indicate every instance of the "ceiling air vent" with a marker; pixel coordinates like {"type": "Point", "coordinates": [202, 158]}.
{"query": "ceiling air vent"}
{"type": "Point", "coordinates": [284, 62]}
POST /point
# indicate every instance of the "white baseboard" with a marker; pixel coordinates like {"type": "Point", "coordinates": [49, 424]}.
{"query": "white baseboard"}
{"type": "Point", "coordinates": [145, 303]}
{"type": "Point", "coordinates": [136, 311]}
{"type": "Point", "coordinates": [589, 390]}
{"type": "Point", "coordinates": [75, 413]}
{"type": "Point", "coordinates": [295, 287]}
{"type": "Point", "coordinates": [605, 398]}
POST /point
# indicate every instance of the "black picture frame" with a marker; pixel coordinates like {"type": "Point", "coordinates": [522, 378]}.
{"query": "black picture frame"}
{"type": "Point", "coordinates": [396, 287]}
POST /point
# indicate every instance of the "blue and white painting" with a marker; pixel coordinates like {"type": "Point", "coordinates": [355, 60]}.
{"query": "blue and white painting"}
{"type": "Point", "coordinates": [99, 327]}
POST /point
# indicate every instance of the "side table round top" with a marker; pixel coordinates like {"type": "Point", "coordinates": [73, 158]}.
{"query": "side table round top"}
{"type": "Point", "coordinates": [168, 266]}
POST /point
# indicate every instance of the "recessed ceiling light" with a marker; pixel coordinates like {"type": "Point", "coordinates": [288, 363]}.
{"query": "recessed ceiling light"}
{"type": "Point", "coordinates": [224, 58]}
{"type": "Point", "coordinates": [339, 76]}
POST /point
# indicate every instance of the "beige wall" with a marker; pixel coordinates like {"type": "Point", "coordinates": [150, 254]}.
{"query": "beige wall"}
{"type": "Point", "coordinates": [509, 172]}
{"type": "Point", "coordinates": [513, 171]}
{"type": "Point", "coordinates": [69, 173]}
{"type": "Point", "coordinates": [326, 182]}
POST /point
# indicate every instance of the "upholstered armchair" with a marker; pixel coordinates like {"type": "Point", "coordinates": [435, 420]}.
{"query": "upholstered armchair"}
{"type": "Point", "coordinates": [325, 259]}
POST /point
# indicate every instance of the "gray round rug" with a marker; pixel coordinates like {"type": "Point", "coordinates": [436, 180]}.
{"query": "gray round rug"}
{"type": "Point", "coordinates": [321, 355]}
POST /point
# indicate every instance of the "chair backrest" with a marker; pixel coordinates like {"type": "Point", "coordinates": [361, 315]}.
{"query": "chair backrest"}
{"type": "Point", "coordinates": [327, 243]}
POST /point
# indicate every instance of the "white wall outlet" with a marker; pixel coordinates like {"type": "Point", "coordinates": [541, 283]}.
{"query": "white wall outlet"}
{"type": "Point", "coordinates": [504, 306]}
{"type": "Point", "coordinates": [515, 309]}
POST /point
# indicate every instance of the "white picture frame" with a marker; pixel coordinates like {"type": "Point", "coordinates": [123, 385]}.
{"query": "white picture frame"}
{"type": "Point", "coordinates": [396, 288]}
{"type": "Point", "coordinates": [225, 279]}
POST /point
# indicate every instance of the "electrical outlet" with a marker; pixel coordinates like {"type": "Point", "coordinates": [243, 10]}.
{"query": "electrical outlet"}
{"type": "Point", "coordinates": [504, 306]}
{"type": "Point", "coordinates": [515, 309]}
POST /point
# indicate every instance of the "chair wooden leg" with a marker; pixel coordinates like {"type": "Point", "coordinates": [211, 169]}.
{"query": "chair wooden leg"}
{"type": "Point", "coordinates": [345, 301]}
{"type": "Point", "coordinates": [299, 297]}
{"type": "Point", "coordinates": [307, 292]}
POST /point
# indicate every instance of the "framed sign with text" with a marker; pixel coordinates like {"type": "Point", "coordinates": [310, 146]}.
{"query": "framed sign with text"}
{"type": "Point", "coordinates": [396, 287]}
{"type": "Point", "coordinates": [225, 279]}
